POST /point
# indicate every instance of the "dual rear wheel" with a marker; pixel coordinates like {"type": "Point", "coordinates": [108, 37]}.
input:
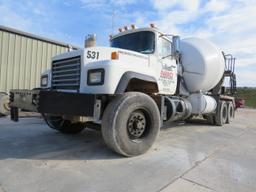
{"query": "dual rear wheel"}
{"type": "Point", "coordinates": [224, 114]}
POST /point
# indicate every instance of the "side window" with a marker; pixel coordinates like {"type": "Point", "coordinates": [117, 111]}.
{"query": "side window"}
{"type": "Point", "coordinates": [165, 48]}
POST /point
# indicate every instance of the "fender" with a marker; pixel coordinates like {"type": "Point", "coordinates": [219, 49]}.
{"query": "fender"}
{"type": "Point", "coordinates": [127, 76]}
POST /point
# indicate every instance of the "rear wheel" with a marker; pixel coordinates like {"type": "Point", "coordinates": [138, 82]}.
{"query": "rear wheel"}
{"type": "Point", "coordinates": [210, 119]}
{"type": "Point", "coordinates": [131, 124]}
{"type": "Point", "coordinates": [62, 125]}
{"type": "Point", "coordinates": [231, 112]}
{"type": "Point", "coordinates": [221, 113]}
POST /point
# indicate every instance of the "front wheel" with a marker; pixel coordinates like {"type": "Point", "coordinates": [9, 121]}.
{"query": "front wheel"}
{"type": "Point", "coordinates": [131, 124]}
{"type": "Point", "coordinates": [62, 125]}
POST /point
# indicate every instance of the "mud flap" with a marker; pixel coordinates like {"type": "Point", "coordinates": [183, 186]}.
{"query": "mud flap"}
{"type": "Point", "coordinates": [14, 114]}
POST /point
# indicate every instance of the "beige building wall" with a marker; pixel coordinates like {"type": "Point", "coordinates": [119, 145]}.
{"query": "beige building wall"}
{"type": "Point", "coordinates": [23, 57]}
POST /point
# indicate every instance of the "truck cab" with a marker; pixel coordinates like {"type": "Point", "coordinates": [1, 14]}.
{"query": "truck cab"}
{"type": "Point", "coordinates": [138, 59]}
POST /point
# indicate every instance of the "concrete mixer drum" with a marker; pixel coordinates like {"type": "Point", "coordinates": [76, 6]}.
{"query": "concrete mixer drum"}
{"type": "Point", "coordinates": [203, 64]}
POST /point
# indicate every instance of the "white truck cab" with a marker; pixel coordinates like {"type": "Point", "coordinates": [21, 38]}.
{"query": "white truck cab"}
{"type": "Point", "coordinates": [131, 88]}
{"type": "Point", "coordinates": [144, 54]}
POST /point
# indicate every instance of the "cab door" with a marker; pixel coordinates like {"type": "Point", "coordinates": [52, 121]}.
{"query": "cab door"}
{"type": "Point", "coordinates": [168, 68]}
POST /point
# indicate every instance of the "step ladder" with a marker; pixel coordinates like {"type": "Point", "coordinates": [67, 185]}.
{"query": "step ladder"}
{"type": "Point", "coordinates": [230, 72]}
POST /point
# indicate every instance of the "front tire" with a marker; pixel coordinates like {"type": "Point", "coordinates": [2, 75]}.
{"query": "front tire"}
{"type": "Point", "coordinates": [131, 124]}
{"type": "Point", "coordinates": [62, 125]}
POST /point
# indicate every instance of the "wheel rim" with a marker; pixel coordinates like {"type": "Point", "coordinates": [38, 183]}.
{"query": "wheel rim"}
{"type": "Point", "coordinates": [138, 125]}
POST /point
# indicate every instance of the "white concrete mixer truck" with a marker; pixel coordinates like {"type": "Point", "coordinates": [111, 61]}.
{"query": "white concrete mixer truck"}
{"type": "Point", "coordinates": [144, 79]}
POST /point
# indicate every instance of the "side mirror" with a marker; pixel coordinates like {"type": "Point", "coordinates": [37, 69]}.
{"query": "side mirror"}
{"type": "Point", "coordinates": [175, 47]}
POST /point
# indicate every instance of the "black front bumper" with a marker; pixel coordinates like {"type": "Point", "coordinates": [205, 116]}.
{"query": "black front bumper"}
{"type": "Point", "coordinates": [52, 102]}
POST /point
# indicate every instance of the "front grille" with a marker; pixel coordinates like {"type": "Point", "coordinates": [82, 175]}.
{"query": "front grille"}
{"type": "Point", "coordinates": [66, 73]}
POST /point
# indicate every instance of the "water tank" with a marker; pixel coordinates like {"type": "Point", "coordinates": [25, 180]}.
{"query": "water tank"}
{"type": "Point", "coordinates": [202, 104]}
{"type": "Point", "coordinates": [203, 64]}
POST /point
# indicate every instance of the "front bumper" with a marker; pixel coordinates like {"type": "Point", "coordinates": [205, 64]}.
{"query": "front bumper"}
{"type": "Point", "coordinates": [52, 102]}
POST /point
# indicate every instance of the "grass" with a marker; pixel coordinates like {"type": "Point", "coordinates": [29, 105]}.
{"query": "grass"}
{"type": "Point", "coordinates": [248, 94]}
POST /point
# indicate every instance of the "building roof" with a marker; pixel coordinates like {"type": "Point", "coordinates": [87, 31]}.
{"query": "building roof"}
{"type": "Point", "coordinates": [36, 37]}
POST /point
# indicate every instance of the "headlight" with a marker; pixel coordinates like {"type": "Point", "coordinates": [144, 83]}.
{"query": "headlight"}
{"type": "Point", "coordinates": [95, 77]}
{"type": "Point", "coordinates": [44, 80]}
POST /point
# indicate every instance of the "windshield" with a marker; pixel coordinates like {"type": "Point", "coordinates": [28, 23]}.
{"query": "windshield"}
{"type": "Point", "coordinates": [143, 42]}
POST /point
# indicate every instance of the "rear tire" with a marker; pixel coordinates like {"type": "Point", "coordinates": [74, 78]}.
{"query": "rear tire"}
{"type": "Point", "coordinates": [131, 124]}
{"type": "Point", "coordinates": [210, 119]}
{"type": "Point", "coordinates": [221, 113]}
{"type": "Point", "coordinates": [62, 125]}
{"type": "Point", "coordinates": [4, 104]}
{"type": "Point", "coordinates": [231, 112]}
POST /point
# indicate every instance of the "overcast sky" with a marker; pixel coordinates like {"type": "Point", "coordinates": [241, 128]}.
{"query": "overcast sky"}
{"type": "Point", "coordinates": [229, 24]}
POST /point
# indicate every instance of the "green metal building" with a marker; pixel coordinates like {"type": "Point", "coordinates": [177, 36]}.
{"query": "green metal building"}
{"type": "Point", "coordinates": [23, 57]}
